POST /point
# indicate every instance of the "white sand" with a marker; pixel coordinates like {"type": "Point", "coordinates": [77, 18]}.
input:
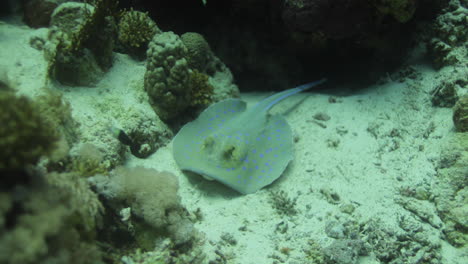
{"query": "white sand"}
{"type": "Point", "coordinates": [361, 169]}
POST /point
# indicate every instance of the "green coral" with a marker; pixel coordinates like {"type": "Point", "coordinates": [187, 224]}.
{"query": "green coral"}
{"type": "Point", "coordinates": [25, 136]}
{"type": "Point", "coordinates": [201, 89]}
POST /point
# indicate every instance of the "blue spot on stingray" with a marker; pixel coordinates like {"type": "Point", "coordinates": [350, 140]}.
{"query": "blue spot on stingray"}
{"type": "Point", "coordinates": [261, 155]}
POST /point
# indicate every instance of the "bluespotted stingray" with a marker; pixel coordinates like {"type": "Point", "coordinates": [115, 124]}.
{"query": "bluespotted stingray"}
{"type": "Point", "coordinates": [245, 149]}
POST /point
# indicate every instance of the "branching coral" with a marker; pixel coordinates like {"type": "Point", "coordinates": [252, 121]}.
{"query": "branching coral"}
{"type": "Point", "coordinates": [201, 89]}
{"type": "Point", "coordinates": [135, 30]}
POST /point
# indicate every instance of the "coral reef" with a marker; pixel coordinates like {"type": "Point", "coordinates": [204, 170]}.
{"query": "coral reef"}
{"type": "Point", "coordinates": [58, 113]}
{"type": "Point", "coordinates": [89, 161]}
{"type": "Point", "coordinates": [25, 135]}
{"type": "Point", "coordinates": [346, 18]}
{"type": "Point", "coordinates": [335, 20]}
{"type": "Point", "coordinates": [460, 114]}
{"type": "Point", "coordinates": [450, 189]}
{"type": "Point", "coordinates": [182, 74]}
{"type": "Point", "coordinates": [409, 241]}
{"type": "Point", "coordinates": [167, 75]}
{"type": "Point", "coordinates": [50, 220]}
{"type": "Point", "coordinates": [152, 197]}
{"type": "Point", "coordinates": [135, 30]}
{"type": "Point", "coordinates": [203, 61]}
{"type": "Point", "coordinates": [199, 51]}
{"type": "Point", "coordinates": [163, 254]}
{"type": "Point", "coordinates": [445, 94]}
{"type": "Point", "coordinates": [79, 50]}
{"type": "Point", "coordinates": [36, 13]}
{"type": "Point", "coordinates": [202, 90]}
{"type": "Point", "coordinates": [448, 45]}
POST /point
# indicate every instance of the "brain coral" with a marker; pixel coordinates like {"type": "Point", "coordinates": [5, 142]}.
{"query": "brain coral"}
{"type": "Point", "coordinates": [199, 50]}
{"type": "Point", "coordinates": [167, 75]}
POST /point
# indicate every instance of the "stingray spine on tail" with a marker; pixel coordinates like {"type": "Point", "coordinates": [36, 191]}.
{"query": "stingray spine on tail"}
{"type": "Point", "coordinates": [245, 149]}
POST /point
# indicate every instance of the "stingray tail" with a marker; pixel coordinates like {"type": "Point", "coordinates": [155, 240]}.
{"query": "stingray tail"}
{"type": "Point", "coordinates": [269, 102]}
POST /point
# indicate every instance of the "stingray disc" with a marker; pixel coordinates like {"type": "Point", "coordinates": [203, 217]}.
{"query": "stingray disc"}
{"type": "Point", "coordinates": [245, 150]}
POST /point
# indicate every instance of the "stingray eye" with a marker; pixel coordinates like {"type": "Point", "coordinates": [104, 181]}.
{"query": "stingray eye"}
{"type": "Point", "coordinates": [208, 143]}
